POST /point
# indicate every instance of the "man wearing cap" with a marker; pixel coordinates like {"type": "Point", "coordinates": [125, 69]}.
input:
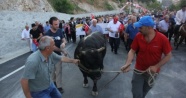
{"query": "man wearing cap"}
{"type": "Point", "coordinates": [149, 45]}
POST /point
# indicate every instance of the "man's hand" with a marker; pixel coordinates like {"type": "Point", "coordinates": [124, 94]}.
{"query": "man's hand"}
{"type": "Point", "coordinates": [125, 68]}
{"type": "Point", "coordinates": [76, 61]}
{"type": "Point", "coordinates": [153, 69]}
{"type": "Point", "coordinates": [62, 45]}
{"type": "Point", "coordinates": [65, 53]}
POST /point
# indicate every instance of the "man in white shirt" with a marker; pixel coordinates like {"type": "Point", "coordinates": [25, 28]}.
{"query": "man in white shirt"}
{"type": "Point", "coordinates": [180, 18]}
{"type": "Point", "coordinates": [164, 25]}
{"type": "Point", "coordinates": [113, 27]}
{"type": "Point", "coordinates": [25, 35]}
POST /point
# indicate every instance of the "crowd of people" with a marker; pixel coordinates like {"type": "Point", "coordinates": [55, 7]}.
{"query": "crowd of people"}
{"type": "Point", "coordinates": [153, 41]}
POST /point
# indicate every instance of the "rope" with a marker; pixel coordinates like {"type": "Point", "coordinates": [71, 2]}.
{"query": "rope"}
{"type": "Point", "coordinates": [109, 82]}
{"type": "Point", "coordinates": [152, 77]}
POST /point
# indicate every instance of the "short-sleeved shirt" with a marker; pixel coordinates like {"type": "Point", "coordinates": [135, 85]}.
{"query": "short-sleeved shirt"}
{"type": "Point", "coordinates": [57, 36]}
{"type": "Point", "coordinates": [96, 28]}
{"type": "Point", "coordinates": [35, 33]}
{"type": "Point", "coordinates": [150, 54]}
{"type": "Point", "coordinates": [38, 71]}
{"type": "Point", "coordinates": [114, 28]}
{"type": "Point", "coordinates": [132, 31]}
{"type": "Point", "coordinates": [164, 25]}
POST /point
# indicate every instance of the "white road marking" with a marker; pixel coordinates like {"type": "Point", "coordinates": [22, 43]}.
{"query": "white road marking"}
{"type": "Point", "coordinates": [6, 76]}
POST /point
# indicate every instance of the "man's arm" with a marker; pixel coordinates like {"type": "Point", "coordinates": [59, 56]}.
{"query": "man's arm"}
{"type": "Point", "coordinates": [40, 35]}
{"type": "Point", "coordinates": [130, 57]}
{"type": "Point", "coordinates": [69, 60]}
{"type": "Point", "coordinates": [25, 87]}
{"type": "Point", "coordinates": [164, 60]}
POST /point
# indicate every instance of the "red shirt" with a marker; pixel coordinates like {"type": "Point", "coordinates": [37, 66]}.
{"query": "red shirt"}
{"type": "Point", "coordinates": [150, 54]}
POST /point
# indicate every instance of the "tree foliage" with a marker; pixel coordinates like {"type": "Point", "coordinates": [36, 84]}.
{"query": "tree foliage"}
{"type": "Point", "coordinates": [147, 1]}
{"type": "Point", "coordinates": [177, 6]}
{"type": "Point", "coordinates": [63, 6]}
{"type": "Point", "coordinates": [154, 5]}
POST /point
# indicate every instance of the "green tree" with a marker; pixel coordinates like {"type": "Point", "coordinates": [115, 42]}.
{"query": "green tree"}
{"type": "Point", "coordinates": [154, 5]}
{"type": "Point", "coordinates": [63, 6]}
{"type": "Point", "coordinates": [181, 3]}
{"type": "Point", "coordinates": [147, 1]}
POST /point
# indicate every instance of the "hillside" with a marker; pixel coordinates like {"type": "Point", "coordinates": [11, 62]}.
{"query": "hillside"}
{"type": "Point", "coordinates": [78, 6]}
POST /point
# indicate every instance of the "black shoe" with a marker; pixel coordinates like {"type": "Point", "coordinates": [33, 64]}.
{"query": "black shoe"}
{"type": "Point", "coordinates": [112, 50]}
{"type": "Point", "coordinates": [61, 90]}
{"type": "Point", "coordinates": [116, 52]}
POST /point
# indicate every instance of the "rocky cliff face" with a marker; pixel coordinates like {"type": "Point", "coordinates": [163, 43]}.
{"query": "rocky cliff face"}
{"type": "Point", "coordinates": [26, 5]}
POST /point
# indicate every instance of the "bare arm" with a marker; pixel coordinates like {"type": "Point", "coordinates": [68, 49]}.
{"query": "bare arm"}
{"type": "Point", "coordinates": [130, 57]}
{"type": "Point", "coordinates": [40, 35]}
{"type": "Point", "coordinates": [24, 84]}
{"type": "Point", "coordinates": [62, 46]}
{"type": "Point", "coordinates": [69, 60]}
{"type": "Point", "coordinates": [164, 60]}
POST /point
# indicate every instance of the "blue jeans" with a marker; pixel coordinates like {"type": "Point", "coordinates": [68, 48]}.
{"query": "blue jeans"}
{"type": "Point", "coordinates": [51, 92]}
{"type": "Point", "coordinates": [34, 47]}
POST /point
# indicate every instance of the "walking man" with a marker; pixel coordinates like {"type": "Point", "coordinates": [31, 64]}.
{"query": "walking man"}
{"type": "Point", "coordinates": [37, 81]}
{"type": "Point", "coordinates": [149, 45]}
{"type": "Point", "coordinates": [60, 42]}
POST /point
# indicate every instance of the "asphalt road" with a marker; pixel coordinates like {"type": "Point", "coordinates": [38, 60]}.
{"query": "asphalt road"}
{"type": "Point", "coordinates": [170, 83]}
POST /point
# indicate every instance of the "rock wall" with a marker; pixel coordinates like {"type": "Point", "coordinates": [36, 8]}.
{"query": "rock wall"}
{"type": "Point", "coordinates": [26, 5]}
{"type": "Point", "coordinates": [13, 22]}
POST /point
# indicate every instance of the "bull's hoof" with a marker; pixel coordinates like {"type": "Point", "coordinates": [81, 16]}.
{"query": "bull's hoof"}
{"type": "Point", "coordinates": [85, 85]}
{"type": "Point", "coordinates": [94, 93]}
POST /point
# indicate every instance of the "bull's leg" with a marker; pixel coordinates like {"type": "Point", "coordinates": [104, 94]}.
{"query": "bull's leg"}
{"type": "Point", "coordinates": [94, 89]}
{"type": "Point", "coordinates": [85, 82]}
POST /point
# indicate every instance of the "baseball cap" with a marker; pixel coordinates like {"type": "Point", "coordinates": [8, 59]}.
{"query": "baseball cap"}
{"type": "Point", "coordinates": [145, 21]}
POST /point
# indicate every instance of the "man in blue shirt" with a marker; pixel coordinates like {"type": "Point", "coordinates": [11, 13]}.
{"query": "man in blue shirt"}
{"type": "Point", "coordinates": [131, 32]}
{"type": "Point", "coordinates": [60, 42]}
{"type": "Point", "coordinates": [94, 27]}
{"type": "Point", "coordinates": [47, 27]}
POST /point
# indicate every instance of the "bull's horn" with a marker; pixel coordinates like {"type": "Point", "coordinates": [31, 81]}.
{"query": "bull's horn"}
{"type": "Point", "coordinates": [100, 49]}
{"type": "Point", "coordinates": [83, 52]}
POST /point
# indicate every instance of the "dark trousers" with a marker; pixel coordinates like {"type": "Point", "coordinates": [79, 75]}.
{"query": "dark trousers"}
{"type": "Point", "coordinates": [114, 43]}
{"type": "Point", "coordinates": [81, 36]}
{"type": "Point", "coordinates": [140, 85]}
{"type": "Point", "coordinates": [73, 33]}
{"type": "Point", "coordinates": [166, 34]}
{"type": "Point", "coordinates": [129, 43]}
{"type": "Point", "coordinates": [176, 33]}
{"type": "Point", "coordinates": [171, 32]}
{"type": "Point", "coordinates": [68, 37]}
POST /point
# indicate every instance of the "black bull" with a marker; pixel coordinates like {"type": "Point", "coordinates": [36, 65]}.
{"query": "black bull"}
{"type": "Point", "coordinates": [91, 51]}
